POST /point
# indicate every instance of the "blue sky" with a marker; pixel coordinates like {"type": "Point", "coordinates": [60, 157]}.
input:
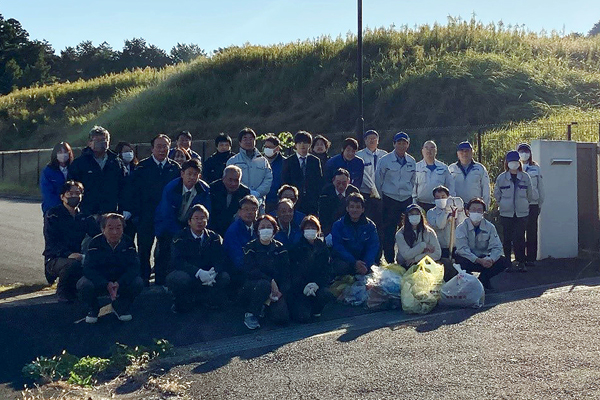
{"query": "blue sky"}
{"type": "Point", "coordinates": [214, 24]}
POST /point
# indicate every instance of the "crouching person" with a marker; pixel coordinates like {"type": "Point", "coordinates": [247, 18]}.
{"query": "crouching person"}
{"type": "Point", "coordinates": [197, 260]}
{"type": "Point", "coordinates": [111, 267]}
{"type": "Point", "coordinates": [268, 276]}
{"type": "Point", "coordinates": [478, 246]}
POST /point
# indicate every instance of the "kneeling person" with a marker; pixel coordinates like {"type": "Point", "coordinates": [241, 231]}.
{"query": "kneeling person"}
{"type": "Point", "coordinates": [111, 267]}
{"type": "Point", "coordinates": [197, 260]}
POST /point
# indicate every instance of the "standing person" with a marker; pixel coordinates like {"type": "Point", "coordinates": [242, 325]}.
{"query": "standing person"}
{"type": "Point", "coordinates": [111, 266]}
{"type": "Point", "coordinates": [471, 179]}
{"type": "Point", "coordinates": [171, 216]}
{"type": "Point", "coordinates": [215, 164]}
{"type": "Point", "coordinates": [513, 193]}
{"type": "Point", "coordinates": [439, 217]}
{"type": "Point", "coordinates": [272, 151]}
{"type": "Point", "coordinates": [184, 140]}
{"type": "Point", "coordinates": [289, 231]}
{"type": "Point", "coordinates": [303, 171]}
{"type": "Point", "coordinates": [478, 247]}
{"type": "Point", "coordinates": [537, 198]}
{"type": "Point", "coordinates": [256, 170]}
{"type": "Point", "coordinates": [395, 178]}
{"type": "Point", "coordinates": [149, 180]}
{"type": "Point", "coordinates": [332, 203]}
{"type": "Point", "coordinates": [371, 155]}
{"type": "Point", "coordinates": [309, 260]}
{"type": "Point", "coordinates": [102, 174]}
{"type": "Point", "coordinates": [64, 230]}
{"type": "Point", "coordinates": [54, 175]}
{"type": "Point", "coordinates": [268, 266]}
{"type": "Point", "coordinates": [319, 148]}
{"type": "Point", "coordinates": [347, 160]}
{"type": "Point", "coordinates": [125, 152]}
{"type": "Point", "coordinates": [225, 196]}
{"type": "Point", "coordinates": [198, 263]}
{"type": "Point", "coordinates": [429, 174]}
{"type": "Point", "coordinates": [180, 155]}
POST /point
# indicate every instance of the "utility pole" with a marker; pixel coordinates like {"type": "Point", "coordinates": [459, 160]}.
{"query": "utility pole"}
{"type": "Point", "coordinates": [360, 121]}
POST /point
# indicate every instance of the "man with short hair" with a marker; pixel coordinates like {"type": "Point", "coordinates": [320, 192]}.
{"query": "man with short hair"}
{"type": "Point", "coordinates": [111, 266]}
{"type": "Point", "coordinates": [225, 196]}
{"type": "Point", "coordinates": [371, 155]}
{"type": "Point", "coordinates": [471, 178]}
{"type": "Point", "coordinates": [215, 164]}
{"type": "Point", "coordinates": [171, 216]}
{"type": "Point", "coordinates": [272, 151]}
{"type": "Point", "coordinates": [289, 233]}
{"type": "Point", "coordinates": [256, 170]}
{"type": "Point", "coordinates": [347, 160]}
{"type": "Point", "coordinates": [150, 177]}
{"type": "Point", "coordinates": [65, 227]}
{"type": "Point", "coordinates": [355, 240]}
{"type": "Point", "coordinates": [198, 264]}
{"type": "Point", "coordinates": [183, 140]}
{"type": "Point", "coordinates": [303, 171]}
{"type": "Point", "coordinates": [394, 178]}
{"type": "Point", "coordinates": [332, 202]}
{"type": "Point", "coordinates": [429, 174]}
{"type": "Point", "coordinates": [102, 173]}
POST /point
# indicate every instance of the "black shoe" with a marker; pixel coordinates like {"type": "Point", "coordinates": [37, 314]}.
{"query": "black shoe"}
{"type": "Point", "coordinates": [521, 267]}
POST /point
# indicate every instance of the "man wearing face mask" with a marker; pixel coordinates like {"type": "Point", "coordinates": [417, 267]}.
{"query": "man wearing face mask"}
{"type": "Point", "coordinates": [64, 229]}
{"type": "Point", "coordinates": [478, 247]}
{"type": "Point", "coordinates": [272, 151]}
{"type": "Point", "coordinates": [102, 174]}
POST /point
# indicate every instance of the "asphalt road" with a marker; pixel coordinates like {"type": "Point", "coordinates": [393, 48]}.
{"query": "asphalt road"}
{"type": "Point", "coordinates": [21, 243]}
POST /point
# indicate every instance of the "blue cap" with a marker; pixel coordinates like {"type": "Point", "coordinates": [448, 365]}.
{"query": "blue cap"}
{"type": "Point", "coordinates": [401, 136]}
{"type": "Point", "coordinates": [370, 132]}
{"type": "Point", "coordinates": [413, 207]}
{"type": "Point", "coordinates": [464, 146]}
{"type": "Point", "coordinates": [512, 156]}
{"type": "Point", "coordinates": [524, 146]}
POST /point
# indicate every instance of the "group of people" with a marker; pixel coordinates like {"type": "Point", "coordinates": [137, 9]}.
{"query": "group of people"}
{"type": "Point", "coordinates": [268, 230]}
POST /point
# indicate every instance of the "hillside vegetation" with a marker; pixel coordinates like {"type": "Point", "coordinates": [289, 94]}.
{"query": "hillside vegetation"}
{"type": "Point", "coordinates": [463, 73]}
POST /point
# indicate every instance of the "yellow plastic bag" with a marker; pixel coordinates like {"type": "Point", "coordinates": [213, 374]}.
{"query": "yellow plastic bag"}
{"type": "Point", "coordinates": [340, 284]}
{"type": "Point", "coordinates": [397, 268]}
{"type": "Point", "coordinates": [420, 290]}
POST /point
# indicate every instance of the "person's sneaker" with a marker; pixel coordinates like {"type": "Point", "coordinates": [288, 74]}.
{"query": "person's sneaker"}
{"type": "Point", "coordinates": [251, 321]}
{"type": "Point", "coordinates": [317, 315]}
{"type": "Point", "coordinates": [123, 317]}
{"type": "Point", "coordinates": [91, 317]}
{"type": "Point", "coordinates": [521, 267]}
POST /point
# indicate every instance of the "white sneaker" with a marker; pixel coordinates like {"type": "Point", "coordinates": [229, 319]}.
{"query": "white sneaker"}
{"type": "Point", "coordinates": [91, 318]}
{"type": "Point", "coordinates": [123, 317]}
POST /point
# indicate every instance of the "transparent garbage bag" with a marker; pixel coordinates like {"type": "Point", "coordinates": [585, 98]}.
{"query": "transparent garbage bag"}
{"type": "Point", "coordinates": [464, 290]}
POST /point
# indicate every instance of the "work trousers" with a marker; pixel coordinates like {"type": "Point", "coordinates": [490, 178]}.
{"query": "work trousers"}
{"type": "Point", "coordinates": [302, 307]}
{"type": "Point", "coordinates": [393, 211]}
{"type": "Point", "coordinates": [188, 289]}
{"type": "Point", "coordinates": [514, 237]}
{"type": "Point", "coordinates": [254, 295]}
{"type": "Point", "coordinates": [68, 271]}
{"type": "Point", "coordinates": [145, 240]}
{"type": "Point", "coordinates": [162, 259]}
{"type": "Point", "coordinates": [485, 274]}
{"type": "Point", "coordinates": [531, 233]}
{"type": "Point", "coordinates": [89, 293]}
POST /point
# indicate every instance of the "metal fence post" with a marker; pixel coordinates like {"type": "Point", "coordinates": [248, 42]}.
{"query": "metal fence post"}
{"type": "Point", "coordinates": [38, 163]}
{"type": "Point", "coordinates": [569, 132]}
{"type": "Point", "coordinates": [20, 153]}
{"type": "Point", "coordinates": [3, 166]}
{"type": "Point", "coordinates": [479, 146]}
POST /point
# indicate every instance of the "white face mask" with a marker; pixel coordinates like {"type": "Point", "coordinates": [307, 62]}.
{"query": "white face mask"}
{"type": "Point", "coordinates": [127, 156]}
{"type": "Point", "coordinates": [475, 217]}
{"type": "Point", "coordinates": [265, 234]}
{"type": "Point", "coordinates": [269, 152]}
{"type": "Point", "coordinates": [441, 203]}
{"type": "Point", "coordinates": [62, 157]}
{"type": "Point", "coordinates": [310, 234]}
{"type": "Point", "coordinates": [514, 165]}
{"type": "Point", "coordinates": [414, 219]}
{"type": "Point", "coordinates": [523, 156]}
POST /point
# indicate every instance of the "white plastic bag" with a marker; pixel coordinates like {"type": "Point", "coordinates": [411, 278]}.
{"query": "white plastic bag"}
{"type": "Point", "coordinates": [464, 290]}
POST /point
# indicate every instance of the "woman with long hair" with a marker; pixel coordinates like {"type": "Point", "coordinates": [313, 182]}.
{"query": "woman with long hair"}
{"type": "Point", "coordinates": [416, 239]}
{"type": "Point", "coordinates": [54, 175]}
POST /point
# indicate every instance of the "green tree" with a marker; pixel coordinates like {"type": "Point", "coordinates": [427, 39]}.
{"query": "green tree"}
{"type": "Point", "coordinates": [183, 52]}
{"type": "Point", "coordinates": [595, 30]}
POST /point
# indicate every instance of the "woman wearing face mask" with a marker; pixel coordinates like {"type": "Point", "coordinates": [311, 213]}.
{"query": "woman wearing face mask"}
{"type": "Point", "coordinates": [125, 152]}
{"type": "Point", "coordinates": [54, 175]}
{"type": "Point", "coordinates": [439, 217]}
{"type": "Point", "coordinates": [268, 275]}
{"type": "Point", "coordinates": [537, 193]}
{"type": "Point", "coordinates": [513, 194]}
{"type": "Point", "coordinates": [416, 239]}
{"type": "Point", "coordinates": [310, 273]}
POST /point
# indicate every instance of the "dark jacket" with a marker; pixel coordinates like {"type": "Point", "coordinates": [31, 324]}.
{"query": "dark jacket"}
{"type": "Point", "coordinates": [276, 167]}
{"type": "Point", "coordinates": [309, 263]}
{"type": "Point", "coordinates": [190, 254]}
{"type": "Point", "coordinates": [213, 167]}
{"type": "Point", "coordinates": [64, 233]}
{"type": "Point", "coordinates": [167, 213]}
{"type": "Point", "coordinates": [236, 237]}
{"type": "Point", "coordinates": [331, 208]}
{"type": "Point", "coordinates": [103, 264]}
{"type": "Point", "coordinates": [323, 158]}
{"type": "Point", "coordinates": [298, 216]}
{"type": "Point", "coordinates": [354, 241]}
{"type": "Point", "coordinates": [103, 188]}
{"type": "Point", "coordinates": [309, 186]}
{"type": "Point", "coordinates": [356, 168]}
{"type": "Point", "coordinates": [268, 262]}
{"type": "Point", "coordinates": [221, 215]}
{"type": "Point", "coordinates": [148, 184]}
{"type": "Point", "coordinates": [51, 182]}
{"type": "Point", "coordinates": [289, 238]}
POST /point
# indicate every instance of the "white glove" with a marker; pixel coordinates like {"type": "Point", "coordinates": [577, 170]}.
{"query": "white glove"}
{"type": "Point", "coordinates": [255, 194]}
{"type": "Point", "coordinates": [207, 277]}
{"type": "Point", "coordinates": [126, 215]}
{"type": "Point", "coordinates": [311, 289]}
{"type": "Point", "coordinates": [329, 240]}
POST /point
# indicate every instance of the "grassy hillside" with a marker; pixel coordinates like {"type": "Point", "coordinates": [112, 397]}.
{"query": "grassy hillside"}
{"type": "Point", "coordinates": [463, 73]}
